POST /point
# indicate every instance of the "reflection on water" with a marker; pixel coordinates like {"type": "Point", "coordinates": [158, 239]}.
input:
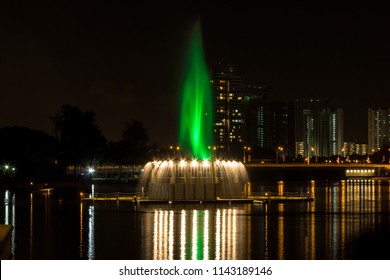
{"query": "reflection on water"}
{"type": "Point", "coordinates": [9, 215]}
{"type": "Point", "coordinates": [91, 233]}
{"type": "Point", "coordinates": [343, 216]}
{"type": "Point", "coordinates": [186, 234]}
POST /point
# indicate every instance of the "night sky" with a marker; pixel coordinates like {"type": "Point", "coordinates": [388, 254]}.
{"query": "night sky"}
{"type": "Point", "coordinates": [123, 61]}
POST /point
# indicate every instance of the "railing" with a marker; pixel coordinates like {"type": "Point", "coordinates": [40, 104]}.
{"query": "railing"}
{"type": "Point", "coordinates": [112, 195]}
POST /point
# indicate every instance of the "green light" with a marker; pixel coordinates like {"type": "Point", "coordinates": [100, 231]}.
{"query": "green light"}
{"type": "Point", "coordinates": [196, 116]}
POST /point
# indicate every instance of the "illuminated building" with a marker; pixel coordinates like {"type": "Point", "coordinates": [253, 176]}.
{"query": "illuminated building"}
{"type": "Point", "coordinates": [299, 148]}
{"type": "Point", "coordinates": [228, 88]}
{"type": "Point", "coordinates": [320, 127]}
{"type": "Point", "coordinates": [269, 124]}
{"type": "Point", "coordinates": [282, 127]}
{"type": "Point", "coordinates": [378, 129]}
{"type": "Point", "coordinates": [353, 148]}
{"type": "Point", "coordinates": [332, 128]}
{"type": "Point", "coordinates": [308, 124]}
{"type": "Point", "coordinates": [257, 117]}
{"type": "Point", "coordinates": [361, 149]}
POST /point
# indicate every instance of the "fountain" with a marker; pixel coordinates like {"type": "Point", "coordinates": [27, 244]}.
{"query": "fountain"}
{"type": "Point", "coordinates": [201, 177]}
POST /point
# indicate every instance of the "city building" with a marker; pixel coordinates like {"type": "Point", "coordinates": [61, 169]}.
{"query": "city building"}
{"type": "Point", "coordinates": [229, 125]}
{"type": "Point", "coordinates": [299, 149]}
{"type": "Point", "coordinates": [282, 127]}
{"type": "Point", "coordinates": [257, 116]}
{"type": "Point", "coordinates": [332, 132]}
{"type": "Point", "coordinates": [353, 148]}
{"type": "Point", "coordinates": [361, 149]}
{"type": "Point", "coordinates": [308, 125]}
{"type": "Point", "coordinates": [246, 116]}
{"type": "Point", "coordinates": [319, 125]}
{"type": "Point", "coordinates": [378, 129]}
{"type": "Point", "coordinates": [270, 125]}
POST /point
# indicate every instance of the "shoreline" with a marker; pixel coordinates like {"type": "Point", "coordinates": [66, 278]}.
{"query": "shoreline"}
{"type": "Point", "coordinates": [69, 184]}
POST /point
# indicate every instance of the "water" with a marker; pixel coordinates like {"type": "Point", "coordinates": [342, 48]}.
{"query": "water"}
{"type": "Point", "coordinates": [347, 220]}
{"type": "Point", "coordinates": [196, 115]}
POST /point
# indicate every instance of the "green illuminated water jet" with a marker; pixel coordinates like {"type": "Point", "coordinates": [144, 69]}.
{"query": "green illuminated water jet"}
{"type": "Point", "coordinates": [196, 179]}
{"type": "Point", "coordinates": [196, 115]}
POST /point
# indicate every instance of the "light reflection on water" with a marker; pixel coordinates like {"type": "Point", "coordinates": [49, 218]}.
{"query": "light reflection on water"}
{"type": "Point", "coordinates": [332, 227]}
{"type": "Point", "coordinates": [199, 235]}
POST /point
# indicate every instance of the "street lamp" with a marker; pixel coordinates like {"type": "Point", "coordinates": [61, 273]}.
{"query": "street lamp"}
{"type": "Point", "coordinates": [389, 154]}
{"type": "Point", "coordinates": [213, 150]}
{"type": "Point", "coordinates": [314, 154]}
{"type": "Point", "coordinates": [279, 148]}
{"type": "Point", "coordinates": [249, 156]}
{"type": "Point", "coordinates": [174, 150]}
{"type": "Point", "coordinates": [177, 148]}
{"type": "Point", "coordinates": [90, 170]}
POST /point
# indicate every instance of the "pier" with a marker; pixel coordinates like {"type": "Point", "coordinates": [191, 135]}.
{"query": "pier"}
{"type": "Point", "coordinates": [264, 197]}
{"type": "Point", "coordinates": [284, 197]}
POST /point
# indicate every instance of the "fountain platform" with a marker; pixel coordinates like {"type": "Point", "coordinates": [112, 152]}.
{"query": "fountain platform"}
{"type": "Point", "coordinates": [193, 180]}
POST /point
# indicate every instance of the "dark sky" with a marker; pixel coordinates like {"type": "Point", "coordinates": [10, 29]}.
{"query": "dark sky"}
{"type": "Point", "coordinates": [123, 61]}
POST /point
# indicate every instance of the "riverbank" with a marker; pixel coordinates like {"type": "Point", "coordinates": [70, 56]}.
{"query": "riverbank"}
{"type": "Point", "coordinates": [63, 184]}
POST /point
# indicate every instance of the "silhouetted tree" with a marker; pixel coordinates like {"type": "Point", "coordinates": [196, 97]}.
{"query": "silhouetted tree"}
{"type": "Point", "coordinates": [80, 138]}
{"type": "Point", "coordinates": [27, 153]}
{"type": "Point", "coordinates": [134, 142]}
{"type": "Point", "coordinates": [115, 153]}
{"type": "Point", "coordinates": [154, 150]}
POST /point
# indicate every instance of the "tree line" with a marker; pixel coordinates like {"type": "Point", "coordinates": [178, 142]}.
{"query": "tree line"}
{"type": "Point", "coordinates": [77, 141]}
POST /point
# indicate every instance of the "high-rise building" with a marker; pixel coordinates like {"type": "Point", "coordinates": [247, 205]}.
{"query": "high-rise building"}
{"type": "Point", "coordinates": [229, 126]}
{"type": "Point", "coordinates": [378, 129]}
{"type": "Point", "coordinates": [320, 127]}
{"type": "Point", "coordinates": [282, 127]}
{"type": "Point", "coordinates": [308, 125]}
{"type": "Point", "coordinates": [269, 124]}
{"type": "Point", "coordinates": [336, 131]}
{"type": "Point", "coordinates": [257, 116]}
{"type": "Point", "coordinates": [332, 132]}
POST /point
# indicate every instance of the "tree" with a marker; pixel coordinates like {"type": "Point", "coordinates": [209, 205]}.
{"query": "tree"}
{"type": "Point", "coordinates": [27, 154]}
{"type": "Point", "coordinates": [81, 140]}
{"type": "Point", "coordinates": [154, 150]}
{"type": "Point", "coordinates": [134, 141]}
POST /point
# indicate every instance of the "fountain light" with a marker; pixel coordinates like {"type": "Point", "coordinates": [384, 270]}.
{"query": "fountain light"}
{"type": "Point", "coordinates": [194, 163]}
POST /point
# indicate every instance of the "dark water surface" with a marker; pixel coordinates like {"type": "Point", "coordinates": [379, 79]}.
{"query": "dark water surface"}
{"type": "Point", "coordinates": [347, 220]}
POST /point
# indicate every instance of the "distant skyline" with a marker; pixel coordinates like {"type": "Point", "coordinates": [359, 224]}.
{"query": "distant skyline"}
{"type": "Point", "coordinates": [124, 61]}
